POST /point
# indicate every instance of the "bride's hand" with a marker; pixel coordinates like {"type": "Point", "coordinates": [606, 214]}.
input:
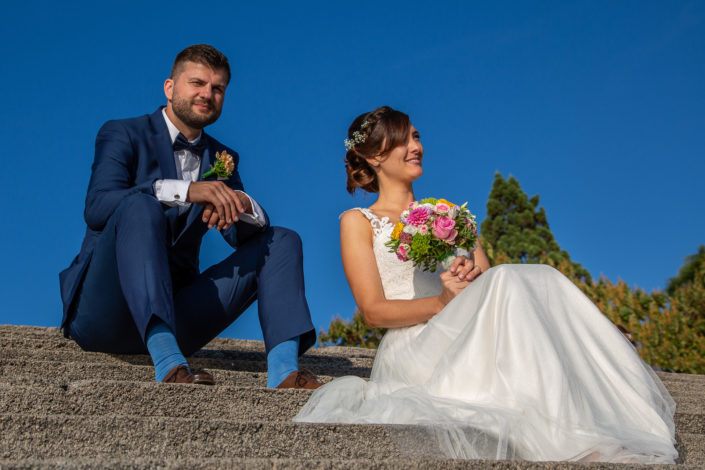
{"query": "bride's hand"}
{"type": "Point", "coordinates": [465, 268]}
{"type": "Point", "coordinates": [452, 285]}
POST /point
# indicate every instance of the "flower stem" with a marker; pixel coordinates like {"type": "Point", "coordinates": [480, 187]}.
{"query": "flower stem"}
{"type": "Point", "coordinates": [208, 173]}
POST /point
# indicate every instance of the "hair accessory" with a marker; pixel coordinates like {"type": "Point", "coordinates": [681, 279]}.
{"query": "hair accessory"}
{"type": "Point", "coordinates": [357, 137]}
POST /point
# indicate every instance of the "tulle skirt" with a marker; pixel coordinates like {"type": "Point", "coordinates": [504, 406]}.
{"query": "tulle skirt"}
{"type": "Point", "coordinates": [520, 365]}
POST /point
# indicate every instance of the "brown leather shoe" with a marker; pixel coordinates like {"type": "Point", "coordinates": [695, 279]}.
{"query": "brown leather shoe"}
{"type": "Point", "coordinates": [202, 377]}
{"type": "Point", "coordinates": [303, 379]}
{"type": "Point", "coordinates": [178, 375]}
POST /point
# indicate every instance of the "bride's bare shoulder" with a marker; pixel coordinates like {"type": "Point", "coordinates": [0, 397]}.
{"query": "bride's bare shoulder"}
{"type": "Point", "coordinates": [355, 220]}
{"type": "Point", "coordinates": [356, 214]}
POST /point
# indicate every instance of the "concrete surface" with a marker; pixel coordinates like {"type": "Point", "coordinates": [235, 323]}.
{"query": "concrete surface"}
{"type": "Point", "coordinates": [63, 408]}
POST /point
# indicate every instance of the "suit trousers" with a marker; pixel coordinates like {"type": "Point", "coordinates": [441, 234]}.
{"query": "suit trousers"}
{"type": "Point", "coordinates": [129, 281]}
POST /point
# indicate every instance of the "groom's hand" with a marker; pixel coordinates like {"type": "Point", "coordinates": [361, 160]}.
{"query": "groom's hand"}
{"type": "Point", "coordinates": [210, 215]}
{"type": "Point", "coordinates": [465, 268]}
{"type": "Point", "coordinates": [223, 206]}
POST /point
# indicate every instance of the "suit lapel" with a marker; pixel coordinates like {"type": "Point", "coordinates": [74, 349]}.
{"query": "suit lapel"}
{"type": "Point", "coordinates": [163, 147]}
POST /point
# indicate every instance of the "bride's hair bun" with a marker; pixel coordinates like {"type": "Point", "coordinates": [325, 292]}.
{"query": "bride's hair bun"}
{"type": "Point", "coordinates": [371, 135]}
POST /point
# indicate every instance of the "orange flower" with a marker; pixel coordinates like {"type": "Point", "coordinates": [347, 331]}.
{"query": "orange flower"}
{"type": "Point", "coordinates": [227, 160]}
{"type": "Point", "coordinates": [448, 203]}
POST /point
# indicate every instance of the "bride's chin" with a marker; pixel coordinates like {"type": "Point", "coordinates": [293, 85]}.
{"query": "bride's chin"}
{"type": "Point", "coordinates": [417, 174]}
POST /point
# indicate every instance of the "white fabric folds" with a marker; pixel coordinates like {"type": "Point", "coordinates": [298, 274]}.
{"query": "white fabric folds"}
{"type": "Point", "coordinates": [520, 365]}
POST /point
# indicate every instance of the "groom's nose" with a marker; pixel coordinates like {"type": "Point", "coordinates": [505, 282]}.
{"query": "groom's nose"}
{"type": "Point", "coordinates": [206, 91]}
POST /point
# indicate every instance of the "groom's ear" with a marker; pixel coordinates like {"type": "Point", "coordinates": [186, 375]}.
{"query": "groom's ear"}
{"type": "Point", "coordinates": [168, 88]}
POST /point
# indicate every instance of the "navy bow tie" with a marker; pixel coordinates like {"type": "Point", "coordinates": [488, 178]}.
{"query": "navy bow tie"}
{"type": "Point", "coordinates": [182, 143]}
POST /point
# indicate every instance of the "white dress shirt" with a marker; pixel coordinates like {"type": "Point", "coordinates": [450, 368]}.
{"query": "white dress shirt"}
{"type": "Point", "coordinates": [188, 165]}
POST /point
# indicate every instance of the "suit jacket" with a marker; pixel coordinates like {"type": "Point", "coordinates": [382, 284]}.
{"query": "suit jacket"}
{"type": "Point", "coordinates": [130, 155]}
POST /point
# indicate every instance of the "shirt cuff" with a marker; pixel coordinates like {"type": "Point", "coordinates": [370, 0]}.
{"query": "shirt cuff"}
{"type": "Point", "coordinates": [257, 218]}
{"type": "Point", "coordinates": [172, 192]}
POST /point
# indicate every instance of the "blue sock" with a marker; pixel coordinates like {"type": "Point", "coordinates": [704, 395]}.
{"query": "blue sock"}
{"type": "Point", "coordinates": [163, 348]}
{"type": "Point", "coordinates": [282, 360]}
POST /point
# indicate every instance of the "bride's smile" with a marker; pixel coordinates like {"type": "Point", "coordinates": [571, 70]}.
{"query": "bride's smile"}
{"type": "Point", "coordinates": [402, 163]}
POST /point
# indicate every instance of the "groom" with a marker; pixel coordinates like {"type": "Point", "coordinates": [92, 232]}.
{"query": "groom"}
{"type": "Point", "coordinates": [135, 286]}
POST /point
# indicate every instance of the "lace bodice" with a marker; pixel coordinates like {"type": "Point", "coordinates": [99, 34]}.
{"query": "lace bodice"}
{"type": "Point", "coordinates": [400, 279]}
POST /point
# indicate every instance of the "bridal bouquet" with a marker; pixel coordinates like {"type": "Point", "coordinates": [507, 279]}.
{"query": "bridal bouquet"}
{"type": "Point", "coordinates": [431, 231]}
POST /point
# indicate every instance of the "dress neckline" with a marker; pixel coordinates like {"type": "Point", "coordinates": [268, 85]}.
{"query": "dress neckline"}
{"type": "Point", "coordinates": [383, 220]}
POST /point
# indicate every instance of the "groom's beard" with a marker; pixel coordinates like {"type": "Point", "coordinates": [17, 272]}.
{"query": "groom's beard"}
{"type": "Point", "coordinates": [182, 109]}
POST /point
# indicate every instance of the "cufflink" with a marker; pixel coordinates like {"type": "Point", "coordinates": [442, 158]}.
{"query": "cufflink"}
{"type": "Point", "coordinates": [176, 196]}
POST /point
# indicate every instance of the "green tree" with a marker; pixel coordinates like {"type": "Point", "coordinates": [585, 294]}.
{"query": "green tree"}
{"type": "Point", "coordinates": [516, 229]}
{"type": "Point", "coordinates": [687, 272]}
{"type": "Point", "coordinates": [354, 333]}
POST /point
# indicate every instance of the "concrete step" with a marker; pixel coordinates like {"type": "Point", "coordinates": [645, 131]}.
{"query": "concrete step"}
{"type": "Point", "coordinates": [312, 464]}
{"type": "Point", "coordinates": [27, 371]}
{"type": "Point", "coordinates": [97, 398]}
{"type": "Point", "coordinates": [221, 359]}
{"type": "Point", "coordinates": [48, 338]}
{"type": "Point", "coordinates": [32, 337]}
{"type": "Point", "coordinates": [159, 437]}
{"type": "Point", "coordinates": [129, 437]}
{"type": "Point", "coordinates": [23, 371]}
{"type": "Point", "coordinates": [691, 448]}
{"type": "Point", "coordinates": [102, 397]}
{"type": "Point", "coordinates": [61, 407]}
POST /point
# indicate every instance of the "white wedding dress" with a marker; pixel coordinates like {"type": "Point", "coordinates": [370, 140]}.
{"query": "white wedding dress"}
{"type": "Point", "coordinates": [520, 365]}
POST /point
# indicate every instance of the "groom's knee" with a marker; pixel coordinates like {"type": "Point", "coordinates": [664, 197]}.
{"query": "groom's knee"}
{"type": "Point", "coordinates": [286, 239]}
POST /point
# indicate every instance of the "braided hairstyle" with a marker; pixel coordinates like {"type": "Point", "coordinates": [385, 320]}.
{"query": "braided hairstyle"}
{"type": "Point", "coordinates": [385, 130]}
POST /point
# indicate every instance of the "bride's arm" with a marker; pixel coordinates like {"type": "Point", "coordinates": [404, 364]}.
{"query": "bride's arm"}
{"type": "Point", "coordinates": [362, 274]}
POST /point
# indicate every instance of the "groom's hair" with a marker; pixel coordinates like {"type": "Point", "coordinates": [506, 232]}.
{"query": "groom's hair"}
{"type": "Point", "coordinates": [202, 54]}
{"type": "Point", "coordinates": [373, 134]}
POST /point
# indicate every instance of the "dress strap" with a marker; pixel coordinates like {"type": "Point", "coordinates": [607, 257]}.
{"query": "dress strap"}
{"type": "Point", "coordinates": [377, 223]}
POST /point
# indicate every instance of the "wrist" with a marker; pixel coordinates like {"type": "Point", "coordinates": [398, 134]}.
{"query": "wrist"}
{"type": "Point", "coordinates": [438, 304]}
{"type": "Point", "coordinates": [188, 192]}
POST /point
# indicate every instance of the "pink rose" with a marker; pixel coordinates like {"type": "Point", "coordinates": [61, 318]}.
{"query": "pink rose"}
{"type": "Point", "coordinates": [417, 217]}
{"type": "Point", "coordinates": [402, 252]}
{"type": "Point", "coordinates": [442, 208]}
{"type": "Point", "coordinates": [451, 236]}
{"type": "Point", "coordinates": [443, 228]}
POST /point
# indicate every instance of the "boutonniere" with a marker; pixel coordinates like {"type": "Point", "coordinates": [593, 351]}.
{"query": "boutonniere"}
{"type": "Point", "coordinates": [223, 167]}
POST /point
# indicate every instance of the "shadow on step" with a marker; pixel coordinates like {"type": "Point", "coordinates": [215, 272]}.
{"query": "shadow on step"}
{"type": "Point", "coordinates": [252, 361]}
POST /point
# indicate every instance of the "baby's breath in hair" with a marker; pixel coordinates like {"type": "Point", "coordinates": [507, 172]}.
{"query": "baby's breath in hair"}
{"type": "Point", "coordinates": [357, 137]}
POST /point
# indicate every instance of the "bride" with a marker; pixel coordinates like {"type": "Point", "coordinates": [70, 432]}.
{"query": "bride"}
{"type": "Point", "coordinates": [509, 362]}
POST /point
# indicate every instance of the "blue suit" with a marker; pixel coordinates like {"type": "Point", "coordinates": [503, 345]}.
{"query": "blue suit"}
{"type": "Point", "coordinates": [140, 259]}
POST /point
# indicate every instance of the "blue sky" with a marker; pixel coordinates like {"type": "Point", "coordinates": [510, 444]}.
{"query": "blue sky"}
{"type": "Point", "coordinates": [599, 107]}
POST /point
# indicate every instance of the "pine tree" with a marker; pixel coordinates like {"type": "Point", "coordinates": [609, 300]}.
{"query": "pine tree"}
{"type": "Point", "coordinates": [516, 230]}
{"type": "Point", "coordinates": [687, 272]}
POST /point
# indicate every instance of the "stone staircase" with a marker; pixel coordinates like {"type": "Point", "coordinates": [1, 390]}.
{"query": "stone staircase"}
{"type": "Point", "coordinates": [61, 407]}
